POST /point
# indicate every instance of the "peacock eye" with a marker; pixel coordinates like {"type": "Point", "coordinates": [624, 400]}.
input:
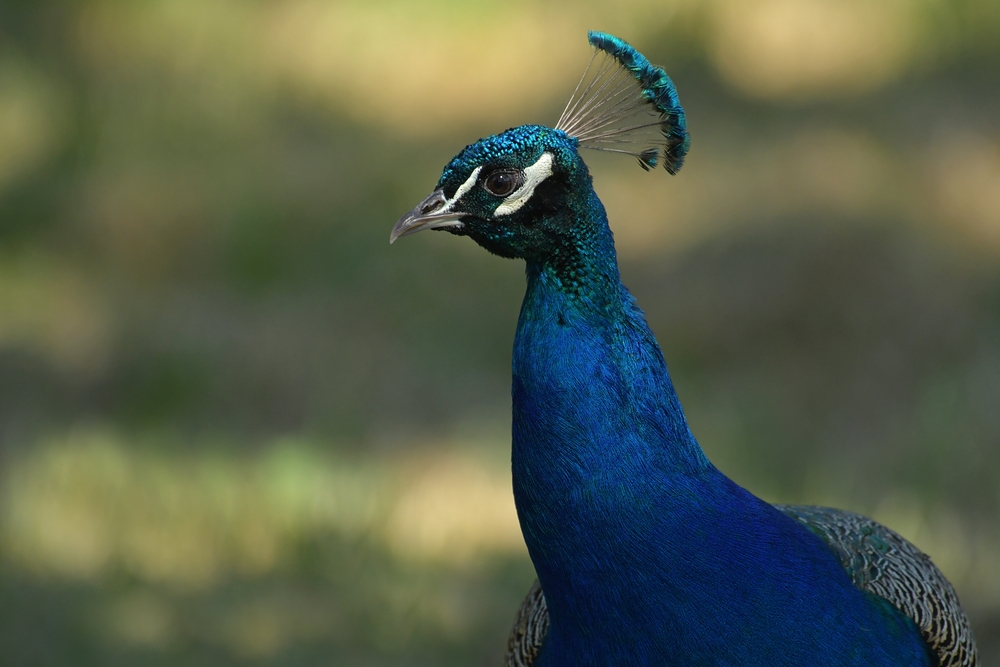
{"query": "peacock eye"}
{"type": "Point", "coordinates": [502, 183]}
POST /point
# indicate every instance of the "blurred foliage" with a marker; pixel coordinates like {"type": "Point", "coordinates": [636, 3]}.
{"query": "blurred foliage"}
{"type": "Point", "coordinates": [236, 429]}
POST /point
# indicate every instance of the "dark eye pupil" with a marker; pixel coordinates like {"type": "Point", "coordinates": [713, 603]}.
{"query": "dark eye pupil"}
{"type": "Point", "coordinates": [501, 183]}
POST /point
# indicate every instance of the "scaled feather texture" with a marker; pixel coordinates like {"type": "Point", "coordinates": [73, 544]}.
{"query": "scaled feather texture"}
{"type": "Point", "coordinates": [647, 554]}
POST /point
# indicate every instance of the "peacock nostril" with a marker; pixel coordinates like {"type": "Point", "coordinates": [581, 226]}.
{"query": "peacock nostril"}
{"type": "Point", "coordinates": [431, 206]}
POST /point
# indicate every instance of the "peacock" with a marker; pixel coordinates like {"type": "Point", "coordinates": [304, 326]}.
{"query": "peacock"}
{"type": "Point", "coordinates": [645, 553]}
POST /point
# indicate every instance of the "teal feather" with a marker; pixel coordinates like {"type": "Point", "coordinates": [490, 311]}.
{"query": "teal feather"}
{"type": "Point", "coordinates": [625, 98]}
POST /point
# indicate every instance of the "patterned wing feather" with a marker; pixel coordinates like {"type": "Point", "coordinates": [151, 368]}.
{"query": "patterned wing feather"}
{"type": "Point", "coordinates": [881, 562]}
{"type": "Point", "coordinates": [877, 559]}
{"type": "Point", "coordinates": [529, 629]}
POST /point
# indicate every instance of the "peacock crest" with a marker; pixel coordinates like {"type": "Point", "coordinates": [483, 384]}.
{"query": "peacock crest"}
{"type": "Point", "coordinates": [625, 104]}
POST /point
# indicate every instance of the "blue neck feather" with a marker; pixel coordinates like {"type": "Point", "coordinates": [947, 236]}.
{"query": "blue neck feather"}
{"type": "Point", "coordinates": [647, 554]}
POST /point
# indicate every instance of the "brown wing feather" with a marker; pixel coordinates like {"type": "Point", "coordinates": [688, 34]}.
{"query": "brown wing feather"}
{"type": "Point", "coordinates": [529, 629]}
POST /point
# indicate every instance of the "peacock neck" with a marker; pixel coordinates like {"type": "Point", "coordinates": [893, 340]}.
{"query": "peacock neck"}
{"type": "Point", "coordinates": [590, 385]}
{"type": "Point", "coordinates": [594, 409]}
{"type": "Point", "coordinates": [598, 430]}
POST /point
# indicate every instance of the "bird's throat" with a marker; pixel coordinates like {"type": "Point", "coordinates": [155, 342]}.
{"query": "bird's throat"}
{"type": "Point", "coordinates": [592, 397]}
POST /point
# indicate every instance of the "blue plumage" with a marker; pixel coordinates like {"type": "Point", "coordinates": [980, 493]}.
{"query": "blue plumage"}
{"type": "Point", "coordinates": [646, 553]}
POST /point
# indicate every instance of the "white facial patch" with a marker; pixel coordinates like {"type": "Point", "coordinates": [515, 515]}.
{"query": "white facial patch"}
{"type": "Point", "coordinates": [533, 176]}
{"type": "Point", "coordinates": [462, 189]}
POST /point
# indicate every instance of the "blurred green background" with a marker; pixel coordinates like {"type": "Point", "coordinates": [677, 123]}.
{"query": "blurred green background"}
{"type": "Point", "coordinates": [237, 428]}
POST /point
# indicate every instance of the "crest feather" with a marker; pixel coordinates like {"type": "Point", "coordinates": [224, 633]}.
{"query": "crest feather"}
{"type": "Point", "coordinates": [627, 105]}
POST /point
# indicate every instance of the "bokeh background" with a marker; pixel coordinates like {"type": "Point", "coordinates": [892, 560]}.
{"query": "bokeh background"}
{"type": "Point", "coordinates": [237, 428]}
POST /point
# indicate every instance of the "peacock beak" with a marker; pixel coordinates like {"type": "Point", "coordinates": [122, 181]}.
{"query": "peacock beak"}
{"type": "Point", "coordinates": [432, 213]}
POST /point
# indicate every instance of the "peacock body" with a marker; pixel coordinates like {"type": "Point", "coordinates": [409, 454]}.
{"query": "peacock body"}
{"type": "Point", "coordinates": [646, 554]}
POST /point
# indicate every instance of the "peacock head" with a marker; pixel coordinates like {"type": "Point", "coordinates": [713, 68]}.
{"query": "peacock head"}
{"type": "Point", "coordinates": [505, 191]}
{"type": "Point", "coordinates": [524, 191]}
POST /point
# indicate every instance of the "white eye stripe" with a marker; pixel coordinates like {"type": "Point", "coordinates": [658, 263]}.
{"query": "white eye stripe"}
{"type": "Point", "coordinates": [462, 189]}
{"type": "Point", "coordinates": [533, 176]}
{"type": "Point", "coordinates": [465, 187]}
